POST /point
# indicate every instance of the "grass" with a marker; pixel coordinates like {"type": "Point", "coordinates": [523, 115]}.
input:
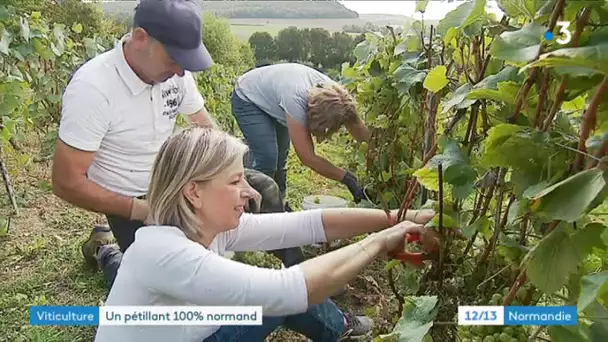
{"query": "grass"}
{"type": "Point", "coordinates": [41, 260]}
{"type": "Point", "coordinates": [40, 251]}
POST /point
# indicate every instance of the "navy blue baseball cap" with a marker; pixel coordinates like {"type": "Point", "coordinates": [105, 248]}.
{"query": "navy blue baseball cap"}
{"type": "Point", "coordinates": [177, 24]}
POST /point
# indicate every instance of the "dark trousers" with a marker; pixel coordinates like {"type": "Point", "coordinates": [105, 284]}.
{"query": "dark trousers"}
{"type": "Point", "coordinates": [109, 257]}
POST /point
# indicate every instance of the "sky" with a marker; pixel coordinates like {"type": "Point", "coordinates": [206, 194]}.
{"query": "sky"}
{"type": "Point", "coordinates": [435, 10]}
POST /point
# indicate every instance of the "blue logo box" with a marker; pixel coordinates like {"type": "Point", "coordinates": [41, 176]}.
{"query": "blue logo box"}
{"type": "Point", "coordinates": [64, 315]}
{"type": "Point", "coordinates": [540, 315]}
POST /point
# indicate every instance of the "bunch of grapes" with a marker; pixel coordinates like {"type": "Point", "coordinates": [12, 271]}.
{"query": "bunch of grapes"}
{"type": "Point", "coordinates": [477, 333]}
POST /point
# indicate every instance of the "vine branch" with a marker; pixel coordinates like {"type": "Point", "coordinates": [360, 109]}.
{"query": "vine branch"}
{"type": "Point", "coordinates": [523, 94]}
{"type": "Point", "coordinates": [559, 96]}
{"type": "Point", "coordinates": [589, 121]}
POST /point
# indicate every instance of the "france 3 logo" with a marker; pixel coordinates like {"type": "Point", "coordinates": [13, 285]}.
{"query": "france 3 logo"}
{"type": "Point", "coordinates": [565, 34]}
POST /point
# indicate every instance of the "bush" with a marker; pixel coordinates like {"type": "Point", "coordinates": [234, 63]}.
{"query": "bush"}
{"type": "Point", "coordinates": [225, 48]}
{"type": "Point", "coordinates": [232, 57]}
{"type": "Point", "coordinates": [86, 19]}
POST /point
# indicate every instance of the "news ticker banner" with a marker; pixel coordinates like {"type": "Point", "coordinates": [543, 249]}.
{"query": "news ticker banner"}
{"type": "Point", "coordinates": [145, 315]}
{"type": "Point", "coordinates": [252, 315]}
{"type": "Point", "coordinates": [517, 315]}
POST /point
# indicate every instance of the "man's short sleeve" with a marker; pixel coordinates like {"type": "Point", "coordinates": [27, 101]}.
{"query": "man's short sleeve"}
{"type": "Point", "coordinates": [193, 100]}
{"type": "Point", "coordinates": [84, 116]}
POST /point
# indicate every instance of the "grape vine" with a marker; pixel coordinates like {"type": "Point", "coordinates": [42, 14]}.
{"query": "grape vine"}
{"type": "Point", "coordinates": [37, 59]}
{"type": "Point", "coordinates": [504, 133]}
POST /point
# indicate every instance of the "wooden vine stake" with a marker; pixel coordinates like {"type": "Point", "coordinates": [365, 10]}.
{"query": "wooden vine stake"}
{"type": "Point", "coordinates": [7, 182]}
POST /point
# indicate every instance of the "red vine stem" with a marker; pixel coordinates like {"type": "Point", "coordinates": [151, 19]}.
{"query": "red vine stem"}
{"type": "Point", "coordinates": [559, 6]}
{"type": "Point", "coordinates": [413, 186]}
{"type": "Point", "coordinates": [589, 121]}
{"type": "Point", "coordinates": [522, 277]}
{"type": "Point", "coordinates": [519, 282]}
{"type": "Point", "coordinates": [559, 97]}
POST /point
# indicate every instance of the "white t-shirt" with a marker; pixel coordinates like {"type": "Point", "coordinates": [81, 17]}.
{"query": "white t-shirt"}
{"type": "Point", "coordinates": [163, 267]}
{"type": "Point", "coordinates": [107, 108]}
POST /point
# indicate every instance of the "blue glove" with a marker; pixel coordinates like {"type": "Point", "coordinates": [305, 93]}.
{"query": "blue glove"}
{"type": "Point", "coordinates": [351, 182]}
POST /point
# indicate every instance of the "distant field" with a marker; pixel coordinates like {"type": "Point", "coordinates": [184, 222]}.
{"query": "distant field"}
{"type": "Point", "coordinates": [243, 28]}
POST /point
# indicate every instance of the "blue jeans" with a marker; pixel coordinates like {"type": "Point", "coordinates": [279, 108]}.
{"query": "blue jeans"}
{"type": "Point", "coordinates": [268, 140]}
{"type": "Point", "coordinates": [320, 323]}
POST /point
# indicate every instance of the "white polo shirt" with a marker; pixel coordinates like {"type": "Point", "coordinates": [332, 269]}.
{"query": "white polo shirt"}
{"type": "Point", "coordinates": [109, 110]}
{"type": "Point", "coordinates": [165, 268]}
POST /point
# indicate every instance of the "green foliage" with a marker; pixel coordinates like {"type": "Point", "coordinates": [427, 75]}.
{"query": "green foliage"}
{"type": "Point", "coordinates": [84, 19]}
{"type": "Point", "coordinates": [37, 59]}
{"type": "Point", "coordinates": [263, 46]}
{"type": "Point", "coordinates": [75, 13]}
{"type": "Point", "coordinates": [417, 319]}
{"type": "Point", "coordinates": [231, 58]}
{"type": "Point", "coordinates": [558, 255]}
{"type": "Point", "coordinates": [507, 131]}
{"type": "Point", "coordinates": [223, 46]}
{"type": "Point", "coordinates": [593, 287]}
{"type": "Point", "coordinates": [216, 84]}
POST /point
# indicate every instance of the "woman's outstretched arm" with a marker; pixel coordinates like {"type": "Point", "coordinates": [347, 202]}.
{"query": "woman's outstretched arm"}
{"type": "Point", "coordinates": [285, 230]}
{"type": "Point", "coordinates": [164, 261]}
{"type": "Point", "coordinates": [349, 222]}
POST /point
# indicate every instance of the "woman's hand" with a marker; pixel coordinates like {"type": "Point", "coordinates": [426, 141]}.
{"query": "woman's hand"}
{"type": "Point", "coordinates": [394, 237]}
{"type": "Point", "coordinates": [422, 216]}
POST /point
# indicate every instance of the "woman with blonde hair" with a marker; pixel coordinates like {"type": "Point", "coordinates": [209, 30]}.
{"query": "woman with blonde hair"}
{"type": "Point", "coordinates": [289, 103]}
{"type": "Point", "coordinates": [196, 200]}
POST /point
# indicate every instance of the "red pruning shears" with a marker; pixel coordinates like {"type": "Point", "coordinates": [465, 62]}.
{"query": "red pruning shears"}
{"type": "Point", "coordinates": [416, 259]}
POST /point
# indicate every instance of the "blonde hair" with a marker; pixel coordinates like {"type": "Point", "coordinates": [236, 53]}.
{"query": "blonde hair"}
{"type": "Point", "coordinates": [194, 154]}
{"type": "Point", "coordinates": [330, 106]}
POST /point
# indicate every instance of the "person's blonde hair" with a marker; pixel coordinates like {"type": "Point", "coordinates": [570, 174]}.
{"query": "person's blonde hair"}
{"type": "Point", "coordinates": [193, 154]}
{"type": "Point", "coordinates": [330, 106]}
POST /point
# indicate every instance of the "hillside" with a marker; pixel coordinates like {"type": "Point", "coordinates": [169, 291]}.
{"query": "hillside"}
{"type": "Point", "coordinates": [323, 9]}
{"type": "Point", "coordinates": [279, 9]}
{"type": "Point", "coordinates": [247, 17]}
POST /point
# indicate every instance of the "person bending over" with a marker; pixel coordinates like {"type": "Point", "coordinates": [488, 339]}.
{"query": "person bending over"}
{"type": "Point", "coordinates": [289, 103]}
{"type": "Point", "coordinates": [196, 202]}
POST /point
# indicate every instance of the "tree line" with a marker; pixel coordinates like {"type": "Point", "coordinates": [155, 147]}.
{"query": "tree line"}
{"type": "Point", "coordinates": [315, 46]}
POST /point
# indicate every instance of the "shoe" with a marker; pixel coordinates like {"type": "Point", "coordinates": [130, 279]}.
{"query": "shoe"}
{"type": "Point", "coordinates": [100, 236]}
{"type": "Point", "coordinates": [288, 208]}
{"type": "Point", "coordinates": [357, 326]}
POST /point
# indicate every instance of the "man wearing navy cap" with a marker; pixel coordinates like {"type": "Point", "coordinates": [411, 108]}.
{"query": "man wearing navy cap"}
{"type": "Point", "coordinates": [118, 109]}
